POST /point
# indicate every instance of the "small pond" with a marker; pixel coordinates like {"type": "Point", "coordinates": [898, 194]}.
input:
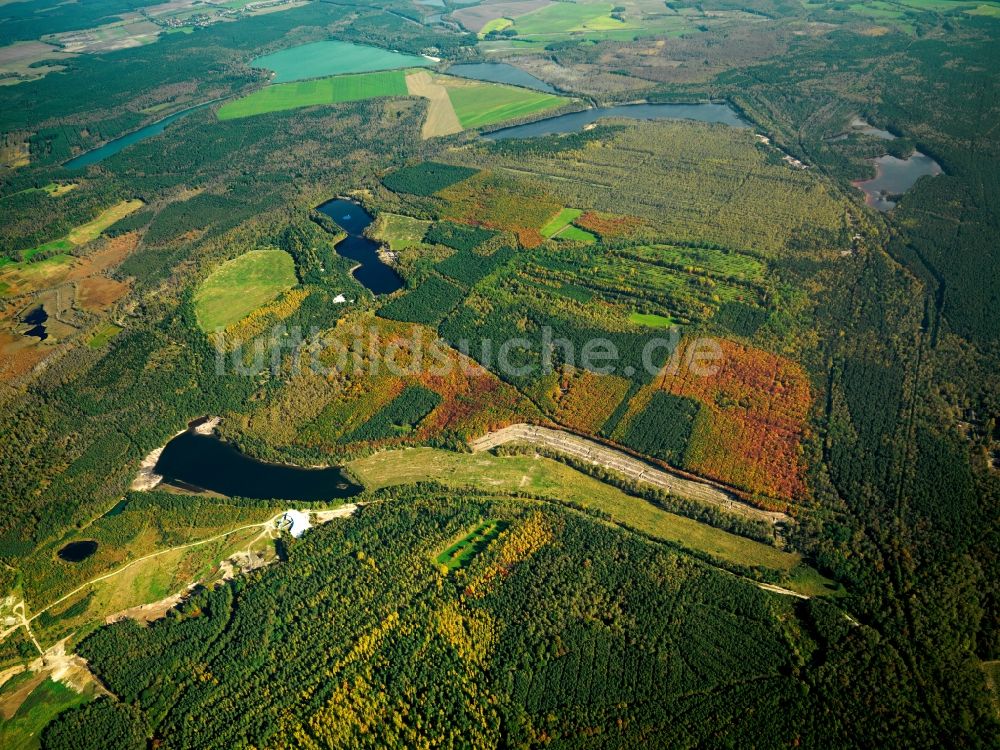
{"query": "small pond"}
{"type": "Point", "coordinates": [331, 58]}
{"type": "Point", "coordinates": [501, 73]}
{"type": "Point", "coordinates": [36, 319]}
{"type": "Point", "coordinates": [75, 552]}
{"type": "Point", "coordinates": [894, 177]}
{"type": "Point", "coordinates": [574, 121]}
{"type": "Point", "coordinates": [371, 272]}
{"type": "Point", "coordinates": [119, 144]}
{"type": "Point", "coordinates": [207, 463]}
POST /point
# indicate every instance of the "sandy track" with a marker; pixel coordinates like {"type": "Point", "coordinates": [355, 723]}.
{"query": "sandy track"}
{"type": "Point", "coordinates": [601, 455]}
{"type": "Point", "coordinates": [441, 117]}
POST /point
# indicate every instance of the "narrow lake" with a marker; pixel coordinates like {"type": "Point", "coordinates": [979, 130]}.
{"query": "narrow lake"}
{"type": "Point", "coordinates": [894, 177]}
{"type": "Point", "coordinates": [331, 58]}
{"type": "Point", "coordinates": [574, 121]}
{"type": "Point", "coordinates": [372, 272]}
{"type": "Point", "coordinates": [75, 552]}
{"type": "Point", "coordinates": [118, 144]}
{"type": "Point", "coordinates": [206, 462]}
{"type": "Point", "coordinates": [500, 73]}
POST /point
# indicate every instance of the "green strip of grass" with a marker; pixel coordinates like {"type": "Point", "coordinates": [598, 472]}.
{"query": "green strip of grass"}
{"type": "Point", "coordinates": [559, 221]}
{"type": "Point", "coordinates": [348, 88]}
{"type": "Point", "coordinates": [650, 320]}
{"type": "Point", "coordinates": [545, 478]}
{"type": "Point", "coordinates": [575, 234]}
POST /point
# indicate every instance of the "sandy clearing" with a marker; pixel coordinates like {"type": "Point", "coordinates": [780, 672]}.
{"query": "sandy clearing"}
{"type": "Point", "coordinates": [441, 117]}
{"type": "Point", "coordinates": [595, 453]}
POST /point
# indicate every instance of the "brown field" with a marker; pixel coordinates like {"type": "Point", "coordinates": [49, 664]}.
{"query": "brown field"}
{"type": "Point", "coordinates": [99, 292]}
{"type": "Point", "coordinates": [16, 61]}
{"type": "Point", "coordinates": [476, 17]}
{"type": "Point", "coordinates": [441, 117]}
{"type": "Point", "coordinates": [19, 354]}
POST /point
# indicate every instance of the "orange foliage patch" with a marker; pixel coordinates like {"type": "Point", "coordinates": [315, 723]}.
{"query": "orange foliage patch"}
{"type": "Point", "coordinates": [609, 225]}
{"type": "Point", "coordinates": [19, 354]}
{"type": "Point", "coordinates": [98, 292]}
{"type": "Point", "coordinates": [473, 400]}
{"type": "Point", "coordinates": [111, 253]}
{"type": "Point", "coordinates": [501, 202]}
{"type": "Point", "coordinates": [753, 416]}
{"type": "Point", "coordinates": [584, 400]}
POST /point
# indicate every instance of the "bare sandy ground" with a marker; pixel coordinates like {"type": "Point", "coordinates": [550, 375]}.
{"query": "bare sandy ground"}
{"type": "Point", "coordinates": [441, 117]}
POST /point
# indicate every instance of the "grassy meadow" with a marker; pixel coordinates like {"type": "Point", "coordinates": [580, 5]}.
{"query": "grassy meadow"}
{"type": "Point", "coordinates": [240, 286]}
{"type": "Point", "coordinates": [550, 479]}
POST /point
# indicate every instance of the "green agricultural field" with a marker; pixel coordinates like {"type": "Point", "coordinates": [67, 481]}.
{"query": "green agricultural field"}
{"type": "Point", "coordinates": [240, 286]}
{"type": "Point", "coordinates": [459, 554]}
{"type": "Point", "coordinates": [497, 24]}
{"type": "Point", "coordinates": [565, 18]}
{"type": "Point", "coordinates": [488, 103]}
{"type": "Point", "coordinates": [331, 58]}
{"type": "Point", "coordinates": [350, 88]}
{"type": "Point", "coordinates": [550, 479]}
{"type": "Point", "coordinates": [985, 10]}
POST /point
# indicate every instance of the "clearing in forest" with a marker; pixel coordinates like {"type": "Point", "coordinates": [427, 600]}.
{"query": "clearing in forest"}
{"type": "Point", "coordinates": [460, 554]}
{"type": "Point", "coordinates": [560, 221]}
{"type": "Point", "coordinates": [84, 233]}
{"type": "Point", "coordinates": [240, 286]}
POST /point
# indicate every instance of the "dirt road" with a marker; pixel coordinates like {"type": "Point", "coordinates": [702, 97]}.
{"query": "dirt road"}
{"type": "Point", "coordinates": [593, 452]}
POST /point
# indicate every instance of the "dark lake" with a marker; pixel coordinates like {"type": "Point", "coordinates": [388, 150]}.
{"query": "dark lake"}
{"type": "Point", "coordinates": [372, 273]}
{"type": "Point", "coordinates": [75, 552]}
{"type": "Point", "coordinates": [118, 144]}
{"type": "Point", "coordinates": [500, 73]}
{"type": "Point", "coordinates": [574, 121]}
{"type": "Point", "coordinates": [206, 462]}
{"type": "Point", "coordinates": [894, 177]}
{"type": "Point", "coordinates": [36, 319]}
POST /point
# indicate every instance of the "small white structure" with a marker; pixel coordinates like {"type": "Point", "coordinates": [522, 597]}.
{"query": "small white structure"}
{"type": "Point", "coordinates": [339, 299]}
{"type": "Point", "coordinates": [296, 521]}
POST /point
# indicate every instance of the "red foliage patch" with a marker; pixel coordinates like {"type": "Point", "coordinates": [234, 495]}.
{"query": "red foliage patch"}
{"type": "Point", "coordinates": [753, 416]}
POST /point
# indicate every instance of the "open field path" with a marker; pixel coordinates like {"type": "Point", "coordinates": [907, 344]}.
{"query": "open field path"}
{"type": "Point", "coordinates": [601, 455]}
{"type": "Point", "coordinates": [26, 621]}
